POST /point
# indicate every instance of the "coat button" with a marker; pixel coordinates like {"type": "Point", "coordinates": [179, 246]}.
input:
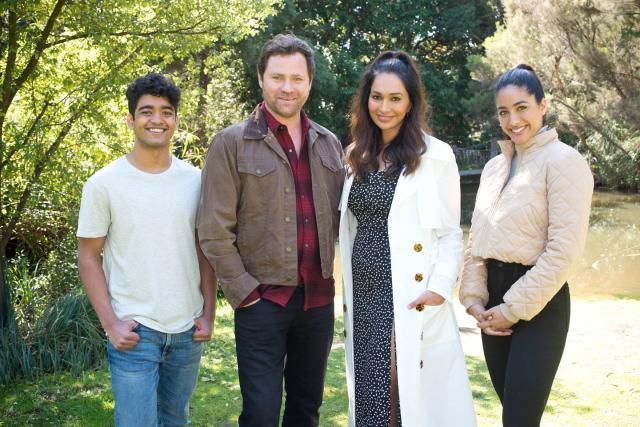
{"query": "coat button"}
{"type": "Point", "coordinates": [287, 189]}
{"type": "Point", "coordinates": [259, 171]}
{"type": "Point", "coordinates": [419, 307]}
{"type": "Point", "coordinates": [419, 277]}
{"type": "Point", "coordinates": [344, 307]}
{"type": "Point", "coordinates": [287, 219]}
{"type": "Point", "coordinates": [417, 247]}
{"type": "Point", "coordinates": [421, 364]}
{"type": "Point", "coordinates": [344, 333]}
{"type": "Point", "coordinates": [288, 249]}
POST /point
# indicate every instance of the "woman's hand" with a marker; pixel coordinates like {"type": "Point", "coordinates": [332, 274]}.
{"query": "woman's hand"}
{"type": "Point", "coordinates": [426, 298]}
{"type": "Point", "coordinates": [477, 311]}
{"type": "Point", "coordinates": [495, 323]}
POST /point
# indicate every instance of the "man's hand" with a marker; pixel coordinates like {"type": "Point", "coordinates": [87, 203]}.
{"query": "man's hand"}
{"type": "Point", "coordinates": [426, 298]}
{"type": "Point", "coordinates": [121, 334]}
{"type": "Point", "coordinates": [204, 328]}
{"type": "Point", "coordinates": [495, 323]}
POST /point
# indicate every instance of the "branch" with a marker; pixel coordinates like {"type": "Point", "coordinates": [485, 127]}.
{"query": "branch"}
{"type": "Point", "coordinates": [26, 138]}
{"type": "Point", "coordinates": [595, 127]}
{"type": "Point", "coordinates": [40, 47]}
{"type": "Point", "coordinates": [10, 66]}
{"type": "Point", "coordinates": [44, 160]}
{"type": "Point", "coordinates": [181, 31]}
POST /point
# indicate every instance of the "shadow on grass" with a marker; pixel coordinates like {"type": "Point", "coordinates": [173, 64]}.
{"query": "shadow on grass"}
{"type": "Point", "coordinates": [59, 400]}
{"type": "Point", "coordinates": [562, 401]}
{"type": "Point", "coordinates": [64, 400]}
{"type": "Point", "coordinates": [217, 400]}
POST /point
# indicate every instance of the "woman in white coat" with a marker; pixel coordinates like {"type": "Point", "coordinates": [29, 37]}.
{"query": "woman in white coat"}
{"type": "Point", "coordinates": [401, 249]}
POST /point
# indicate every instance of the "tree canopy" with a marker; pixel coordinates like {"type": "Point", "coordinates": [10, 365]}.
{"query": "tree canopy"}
{"type": "Point", "coordinates": [349, 34]}
{"type": "Point", "coordinates": [586, 54]}
{"type": "Point", "coordinates": [64, 65]}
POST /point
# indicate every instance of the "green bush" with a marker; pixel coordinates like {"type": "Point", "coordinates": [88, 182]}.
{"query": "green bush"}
{"type": "Point", "coordinates": [52, 326]}
{"type": "Point", "coordinates": [66, 337]}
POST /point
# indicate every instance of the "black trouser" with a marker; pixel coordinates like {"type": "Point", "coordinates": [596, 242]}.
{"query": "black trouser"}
{"type": "Point", "coordinates": [523, 365]}
{"type": "Point", "coordinates": [273, 342]}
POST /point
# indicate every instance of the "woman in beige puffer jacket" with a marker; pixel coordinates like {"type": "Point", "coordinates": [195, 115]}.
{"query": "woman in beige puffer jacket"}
{"type": "Point", "coordinates": [529, 225]}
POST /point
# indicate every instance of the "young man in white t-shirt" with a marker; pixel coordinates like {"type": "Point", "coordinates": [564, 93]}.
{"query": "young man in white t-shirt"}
{"type": "Point", "coordinates": [144, 273]}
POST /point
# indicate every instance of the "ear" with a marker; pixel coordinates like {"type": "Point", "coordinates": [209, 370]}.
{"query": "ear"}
{"type": "Point", "coordinates": [130, 120]}
{"type": "Point", "coordinates": [544, 105]}
{"type": "Point", "coordinates": [260, 80]}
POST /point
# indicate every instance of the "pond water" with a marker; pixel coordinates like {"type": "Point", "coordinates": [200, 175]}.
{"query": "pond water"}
{"type": "Point", "coordinates": [610, 264]}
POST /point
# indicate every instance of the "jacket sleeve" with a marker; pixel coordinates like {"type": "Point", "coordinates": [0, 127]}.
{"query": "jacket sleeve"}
{"type": "Point", "coordinates": [447, 266]}
{"type": "Point", "coordinates": [473, 284]}
{"type": "Point", "coordinates": [569, 191]}
{"type": "Point", "coordinates": [217, 220]}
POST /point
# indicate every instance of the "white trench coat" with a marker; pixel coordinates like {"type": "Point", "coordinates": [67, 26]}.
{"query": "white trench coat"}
{"type": "Point", "coordinates": [426, 250]}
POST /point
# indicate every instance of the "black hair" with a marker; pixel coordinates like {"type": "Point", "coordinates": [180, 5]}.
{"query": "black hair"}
{"type": "Point", "coordinates": [152, 84]}
{"type": "Point", "coordinates": [286, 44]}
{"type": "Point", "coordinates": [407, 147]}
{"type": "Point", "coordinates": [521, 75]}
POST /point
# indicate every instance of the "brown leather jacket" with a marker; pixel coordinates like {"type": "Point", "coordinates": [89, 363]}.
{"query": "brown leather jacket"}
{"type": "Point", "coordinates": [247, 214]}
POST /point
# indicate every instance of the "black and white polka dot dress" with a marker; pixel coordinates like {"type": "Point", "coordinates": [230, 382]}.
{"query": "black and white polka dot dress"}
{"type": "Point", "coordinates": [370, 201]}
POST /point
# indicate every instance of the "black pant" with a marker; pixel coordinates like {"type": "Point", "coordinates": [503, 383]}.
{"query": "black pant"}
{"type": "Point", "coordinates": [523, 365]}
{"type": "Point", "coordinates": [273, 343]}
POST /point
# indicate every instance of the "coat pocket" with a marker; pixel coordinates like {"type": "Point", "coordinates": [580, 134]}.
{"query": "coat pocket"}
{"type": "Point", "coordinates": [256, 167]}
{"type": "Point", "coordinates": [437, 325]}
{"type": "Point", "coordinates": [331, 162]}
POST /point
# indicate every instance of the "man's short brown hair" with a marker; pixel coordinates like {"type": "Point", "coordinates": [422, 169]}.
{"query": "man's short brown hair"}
{"type": "Point", "coordinates": [286, 44]}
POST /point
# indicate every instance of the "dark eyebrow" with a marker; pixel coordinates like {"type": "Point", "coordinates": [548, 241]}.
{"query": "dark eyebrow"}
{"type": "Point", "coordinates": [150, 107]}
{"type": "Point", "coordinates": [502, 107]}
{"type": "Point", "coordinates": [393, 93]}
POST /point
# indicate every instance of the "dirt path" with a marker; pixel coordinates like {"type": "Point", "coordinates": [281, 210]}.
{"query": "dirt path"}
{"type": "Point", "coordinates": [599, 375]}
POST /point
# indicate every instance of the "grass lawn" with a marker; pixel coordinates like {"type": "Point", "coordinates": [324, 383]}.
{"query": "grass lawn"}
{"type": "Point", "coordinates": [598, 383]}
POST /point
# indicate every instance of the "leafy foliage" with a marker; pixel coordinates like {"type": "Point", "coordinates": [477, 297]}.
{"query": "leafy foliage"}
{"type": "Point", "coordinates": [64, 68]}
{"type": "Point", "coordinates": [586, 53]}
{"type": "Point", "coordinates": [349, 34]}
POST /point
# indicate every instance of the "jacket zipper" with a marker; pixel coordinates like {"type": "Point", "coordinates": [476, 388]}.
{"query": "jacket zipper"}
{"type": "Point", "coordinates": [497, 201]}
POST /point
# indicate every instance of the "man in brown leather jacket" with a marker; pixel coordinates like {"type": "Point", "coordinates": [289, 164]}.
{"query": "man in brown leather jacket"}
{"type": "Point", "coordinates": [267, 222]}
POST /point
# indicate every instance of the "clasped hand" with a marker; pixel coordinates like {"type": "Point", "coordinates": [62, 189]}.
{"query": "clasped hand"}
{"type": "Point", "coordinates": [492, 321]}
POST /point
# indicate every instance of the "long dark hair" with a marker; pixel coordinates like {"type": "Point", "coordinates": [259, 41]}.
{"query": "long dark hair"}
{"type": "Point", "coordinates": [407, 147]}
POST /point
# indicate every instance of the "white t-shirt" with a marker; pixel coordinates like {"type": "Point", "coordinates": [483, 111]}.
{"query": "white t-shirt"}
{"type": "Point", "coordinates": [150, 258]}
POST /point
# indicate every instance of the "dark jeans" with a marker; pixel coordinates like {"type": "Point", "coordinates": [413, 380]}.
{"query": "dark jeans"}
{"type": "Point", "coordinates": [273, 343]}
{"type": "Point", "coordinates": [523, 365]}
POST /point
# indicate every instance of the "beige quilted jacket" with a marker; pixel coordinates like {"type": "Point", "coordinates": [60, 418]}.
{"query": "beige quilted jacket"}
{"type": "Point", "coordinates": [539, 218]}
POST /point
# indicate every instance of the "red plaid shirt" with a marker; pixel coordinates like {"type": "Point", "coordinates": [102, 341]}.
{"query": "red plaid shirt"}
{"type": "Point", "coordinates": [318, 291]}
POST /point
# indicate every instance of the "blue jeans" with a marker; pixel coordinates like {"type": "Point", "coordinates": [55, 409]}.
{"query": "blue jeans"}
{"type": "Point", "coordinates": [153, 382]}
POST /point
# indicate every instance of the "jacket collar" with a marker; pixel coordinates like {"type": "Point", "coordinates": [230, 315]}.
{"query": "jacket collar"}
{"type": "Point", "coordinates": [408, 185]}
{"type": "Point", "coordinates": [434, 151]}
{"type": "Point", "coordinates": [539, 140]}
{"type": "Point", "coordinates": [257, 127]}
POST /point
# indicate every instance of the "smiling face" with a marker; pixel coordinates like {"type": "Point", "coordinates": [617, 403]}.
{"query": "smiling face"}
{"type": "Point", "coordinates": [388, 104]}
{"type": "Point", "coordinates": [154, 122]}
{"type": "Point", "coordinates": [519, 114]}
{"type": "Point", "coordinates": [285, 85]}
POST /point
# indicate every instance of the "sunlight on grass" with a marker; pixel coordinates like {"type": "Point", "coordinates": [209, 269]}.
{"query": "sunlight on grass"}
{"type": "Point", "coordinates": [599, 397]}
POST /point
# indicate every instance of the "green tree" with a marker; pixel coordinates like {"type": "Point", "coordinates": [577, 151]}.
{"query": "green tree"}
{"type": "Point", "coordinates": [348, 34]}
{"type": "Point", "coordinates": [64, 65]}
{"type": "Point", "coordinates": [586, 53]}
